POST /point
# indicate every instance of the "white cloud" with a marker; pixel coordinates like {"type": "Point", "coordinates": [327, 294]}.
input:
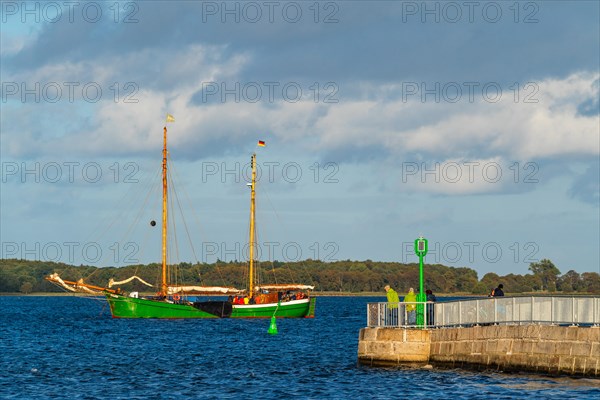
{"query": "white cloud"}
{"type": "Point", "coordinates": [466, 176]}
{"type": "Point", "coordinates": [547, 128]}
{"type": "Point", "coordinates": [408, 128]}
{"type": "Point", "coordinates": [15, 35]}
{"type": "Point", "coordinates": [109, 125]}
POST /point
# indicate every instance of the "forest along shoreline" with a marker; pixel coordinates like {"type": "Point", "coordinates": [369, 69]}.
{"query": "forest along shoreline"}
{"type": "Point", "coordinates": [332, 278]}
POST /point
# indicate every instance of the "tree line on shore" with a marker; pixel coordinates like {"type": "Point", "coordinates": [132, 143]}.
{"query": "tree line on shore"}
{"type": "Point", "coordinates": [27, 276]}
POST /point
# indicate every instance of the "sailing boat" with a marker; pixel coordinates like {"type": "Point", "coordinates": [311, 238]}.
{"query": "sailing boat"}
{"type": "Point", "coordinates": [171, 300]}
{"type": "Point", "coordinates": [267, 299]}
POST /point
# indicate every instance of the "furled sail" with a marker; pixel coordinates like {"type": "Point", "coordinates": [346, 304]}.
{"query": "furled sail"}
{"type": "Point", "coordinates": [290, 286]}
{"type": "Point", "coordinates": [203, 289]}
{"type": "Point", "coordinates": [55, 278]}
{"type": "Point", "coordinates": [80, 286]}
{"type": "Point", "coordinates": [112, 282]}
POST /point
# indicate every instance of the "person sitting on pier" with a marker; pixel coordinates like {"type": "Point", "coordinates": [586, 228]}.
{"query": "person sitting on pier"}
{"type": "Point", "coordinates": [392, 307]}
{"type": "Point", "coordinates": [411, 297]}
{"type": "Point", "coordinates": [392, 296]}
{"type": "Point", "coordinates": [430, 298]}
{"type": "Point", "coordinates": [498, 292]}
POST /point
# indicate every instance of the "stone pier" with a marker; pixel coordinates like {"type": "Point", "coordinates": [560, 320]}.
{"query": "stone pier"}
{"type": "Point", "coordinates": [548, 349]}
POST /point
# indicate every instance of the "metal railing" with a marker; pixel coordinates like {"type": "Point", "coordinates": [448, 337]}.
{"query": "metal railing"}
{"type": "Point", "coordinates": [584, 311]}
{"type": "Point", "coordinates": [401, 314]}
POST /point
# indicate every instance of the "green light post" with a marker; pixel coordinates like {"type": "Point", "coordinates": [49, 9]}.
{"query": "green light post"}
{"type": "Point", "coordinates": [421, 251]}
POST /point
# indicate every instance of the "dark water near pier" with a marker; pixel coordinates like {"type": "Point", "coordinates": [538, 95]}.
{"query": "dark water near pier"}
{"type": "Point", "coordinates": [69, 347]}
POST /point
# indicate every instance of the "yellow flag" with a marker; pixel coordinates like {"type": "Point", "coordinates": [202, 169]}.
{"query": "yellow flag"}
{"type": "Point", "coordinates": [170, 118]}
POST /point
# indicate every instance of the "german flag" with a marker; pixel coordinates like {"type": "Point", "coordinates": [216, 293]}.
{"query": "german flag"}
{"type": "Point", "coordinates": [261, 143]}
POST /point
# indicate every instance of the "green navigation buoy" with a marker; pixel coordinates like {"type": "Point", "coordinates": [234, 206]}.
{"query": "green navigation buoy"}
{"type": "Point", "coordinates": [273, 327]}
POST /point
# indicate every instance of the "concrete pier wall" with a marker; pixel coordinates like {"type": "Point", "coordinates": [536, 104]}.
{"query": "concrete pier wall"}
{"type": "Point", "coordinates": [394, 346]}
{"type": "Point", "coordinates": [534, 348]}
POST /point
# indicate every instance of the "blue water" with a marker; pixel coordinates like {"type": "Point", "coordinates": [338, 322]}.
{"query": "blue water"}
{"type": "Point", "coordinates": [69, 347]}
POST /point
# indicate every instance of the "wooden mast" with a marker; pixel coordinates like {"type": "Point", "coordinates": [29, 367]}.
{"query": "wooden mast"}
{"type": "Point", "coordinates": [252, 213]}
{"type": "Point", "coordinates": [164, 215]}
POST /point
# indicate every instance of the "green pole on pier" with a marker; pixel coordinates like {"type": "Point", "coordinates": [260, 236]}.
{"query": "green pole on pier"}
{"type": "Point", "coordinates": [421, 251]}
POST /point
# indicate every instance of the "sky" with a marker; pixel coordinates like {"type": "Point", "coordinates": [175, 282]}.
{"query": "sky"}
{"type": "Point", "coordinates": [473, 124]}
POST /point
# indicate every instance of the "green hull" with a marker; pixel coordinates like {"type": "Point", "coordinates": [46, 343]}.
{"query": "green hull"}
{"type": "Point", "coordinates": [129, 307]}
{"type": "Point", "coordinates": [292, 309]}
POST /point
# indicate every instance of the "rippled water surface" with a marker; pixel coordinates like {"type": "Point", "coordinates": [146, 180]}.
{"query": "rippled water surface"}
{"type": "Point", "coordinates": [69, 347]}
